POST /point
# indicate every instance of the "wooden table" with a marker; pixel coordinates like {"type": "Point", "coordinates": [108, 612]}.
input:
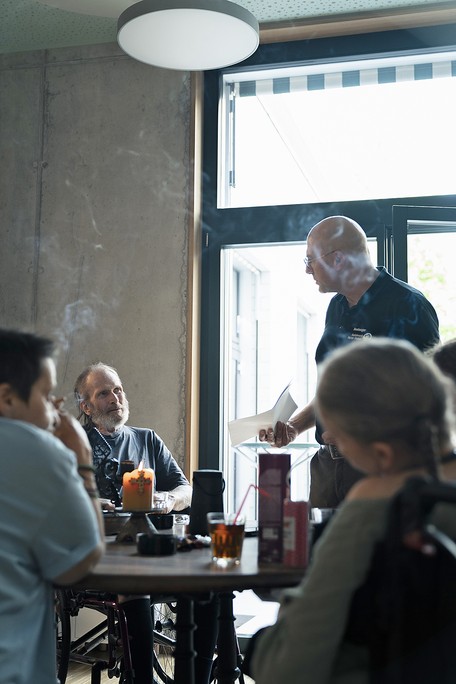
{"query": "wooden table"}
{"type": "Point", "coordinates": [187, 575]}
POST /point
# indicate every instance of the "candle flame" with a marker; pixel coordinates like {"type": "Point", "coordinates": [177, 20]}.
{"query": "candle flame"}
{"type": "Point", "coordinates": [141, 465]}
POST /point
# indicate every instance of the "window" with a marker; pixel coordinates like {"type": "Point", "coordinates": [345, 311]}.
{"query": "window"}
{"type": "Point", "coordinates": [337, 131]}
{"type": "Point", "coordinates": [272, 320]}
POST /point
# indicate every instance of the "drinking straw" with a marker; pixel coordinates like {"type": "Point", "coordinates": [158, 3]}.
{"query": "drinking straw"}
{"type": "Point", "coordinates": [261, 491]}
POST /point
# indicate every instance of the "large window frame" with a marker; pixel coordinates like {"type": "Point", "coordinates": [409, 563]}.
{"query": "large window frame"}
{"type": "Point", "coordinates": [286, 223]}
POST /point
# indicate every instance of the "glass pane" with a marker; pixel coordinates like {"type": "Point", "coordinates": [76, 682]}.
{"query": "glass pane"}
{"type": "Point", "coordinates": [431, 268]}
{"type": "Point", "coordinates": [272, 320]}
{"type": "Point", "coordinates": [362, 141]}
{"type": "Point", "coordinates": [271, 323]}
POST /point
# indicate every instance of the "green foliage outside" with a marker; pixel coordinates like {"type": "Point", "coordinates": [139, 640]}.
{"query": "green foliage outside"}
{"type": "Point", "coordinates": [432, 270]}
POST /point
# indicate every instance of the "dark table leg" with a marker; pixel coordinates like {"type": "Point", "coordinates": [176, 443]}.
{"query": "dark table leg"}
{"type": "Point", "coordinates": [228, 656]}
{"type": "Point", "coordinates": [184, 655]}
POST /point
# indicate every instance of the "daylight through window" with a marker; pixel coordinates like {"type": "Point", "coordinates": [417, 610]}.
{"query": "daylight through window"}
{"type": "Point", "coordinates": [326, 132]}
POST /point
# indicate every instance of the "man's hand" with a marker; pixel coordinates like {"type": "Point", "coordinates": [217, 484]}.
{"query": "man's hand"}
{"type": "Point", "coordinates": [283, 434]}
{"type": "Point", "coordinates": [73, 435]}
{"type": "Point", "coordinates": [170, 502]}
{"type": "Point", "coordinates": [180, 497]}
{"type": "Point", "coordinates": [107, 505]}
{"type": "Point", "coordinates": [164, 502]}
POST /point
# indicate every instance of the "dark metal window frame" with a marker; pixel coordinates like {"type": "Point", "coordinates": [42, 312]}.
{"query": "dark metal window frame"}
{"type": "Point", "coordinates": [287, 223]}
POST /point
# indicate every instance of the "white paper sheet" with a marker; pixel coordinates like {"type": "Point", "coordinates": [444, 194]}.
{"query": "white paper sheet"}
{"type": "Point", "coordinates": [244, 429]}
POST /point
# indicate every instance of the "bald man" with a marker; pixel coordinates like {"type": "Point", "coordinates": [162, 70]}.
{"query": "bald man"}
{"type": "Point", "coordinates": [369, 303]}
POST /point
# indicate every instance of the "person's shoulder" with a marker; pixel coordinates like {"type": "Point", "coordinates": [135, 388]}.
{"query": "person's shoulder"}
{"type": "Point", "coordinates": [337, 300]}
{"type": "Point", "coordinates": [335, 305]}
{"type": "Point", "coordinates": [142, 435]}
{"type": "Point", "coordinates": [402, 286]}
{"type": "Point", "coordinates": [372, 488]}
{"type": "Point", "coordinates": [138, 431]}
{"type": "Point", "coordinates": [22, 430]}
{"type": "Point", "coordinates": [400, 293]}
{"type": "Point", "coordinates": [28, 436]}
{"type": "Point", "coordinates": [131, 428]}
{"type": "Point", "coordinates": [385, 487]}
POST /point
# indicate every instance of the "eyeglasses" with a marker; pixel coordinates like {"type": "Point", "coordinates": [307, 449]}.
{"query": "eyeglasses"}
{"type": "Point", "coordinates": [309, 260]}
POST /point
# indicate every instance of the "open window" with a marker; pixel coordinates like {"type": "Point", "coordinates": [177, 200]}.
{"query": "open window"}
{"type": "Point", "coordinates": [325, 131]}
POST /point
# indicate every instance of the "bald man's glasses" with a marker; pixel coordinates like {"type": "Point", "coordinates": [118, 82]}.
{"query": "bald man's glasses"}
{"type": "Point", "coordinates": [309, 260]}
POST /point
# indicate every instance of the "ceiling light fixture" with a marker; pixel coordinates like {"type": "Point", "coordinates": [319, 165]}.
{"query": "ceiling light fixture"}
{"type": "Point", "coordinates": [190, 35]}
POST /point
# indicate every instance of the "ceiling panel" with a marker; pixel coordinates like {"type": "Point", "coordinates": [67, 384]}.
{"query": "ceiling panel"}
{"type": "Point", "coordinates": [33, 25]}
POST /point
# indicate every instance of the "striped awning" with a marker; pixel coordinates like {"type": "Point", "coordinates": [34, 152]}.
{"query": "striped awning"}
{"type": "Point", "coordinates": [441, 66]}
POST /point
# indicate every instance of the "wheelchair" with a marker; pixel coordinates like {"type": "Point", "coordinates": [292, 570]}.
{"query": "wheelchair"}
{"type": "Point", "coordinates": [115, 659]}
{"type": "Point", "coordinates": [405, 612]}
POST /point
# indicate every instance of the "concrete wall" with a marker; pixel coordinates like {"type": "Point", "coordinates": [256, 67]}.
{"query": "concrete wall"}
{"type": "Point", "coordinates": [94, 202]}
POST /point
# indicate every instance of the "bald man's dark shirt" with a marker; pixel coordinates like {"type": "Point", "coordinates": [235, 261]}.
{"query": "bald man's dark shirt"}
{"type": "Point", "coordinates": [389, 308]}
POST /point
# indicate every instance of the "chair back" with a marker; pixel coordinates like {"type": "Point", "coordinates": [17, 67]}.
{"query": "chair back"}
{"type": "Point", "coordinates": [207, 496]}
{"type": "Point", "coordinates": [405, 613]}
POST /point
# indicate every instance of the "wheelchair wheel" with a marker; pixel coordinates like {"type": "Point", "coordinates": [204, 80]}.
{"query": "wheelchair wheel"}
{"type": "Point", "coordinates": [164, 642]}
{"type": "Point", "coordinates": [63, 634]}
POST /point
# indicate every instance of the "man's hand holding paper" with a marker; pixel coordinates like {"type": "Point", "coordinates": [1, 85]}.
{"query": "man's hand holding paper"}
{"type": "Point", "coordinates": [280, 436]}
{"type": "Point", "coordinates": [243, 429]}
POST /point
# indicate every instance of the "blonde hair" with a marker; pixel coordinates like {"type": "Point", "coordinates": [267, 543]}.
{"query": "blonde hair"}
{"type": "Point", "coordinates": [384, 390]}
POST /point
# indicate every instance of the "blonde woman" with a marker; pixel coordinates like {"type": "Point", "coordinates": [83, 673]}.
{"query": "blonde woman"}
{"type": "Point", "coordinates": [387, 407]}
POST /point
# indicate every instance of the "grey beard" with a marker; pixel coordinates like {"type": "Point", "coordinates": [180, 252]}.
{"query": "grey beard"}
{"type": "Point", "coordinates": [108, 422]}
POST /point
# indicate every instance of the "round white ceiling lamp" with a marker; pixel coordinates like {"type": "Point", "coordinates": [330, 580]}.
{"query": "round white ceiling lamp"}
{"type": "Point", "coordinates": [189, 35]}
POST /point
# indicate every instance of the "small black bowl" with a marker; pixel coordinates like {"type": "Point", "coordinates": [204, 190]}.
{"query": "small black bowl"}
{"type": "Point", "coordinates": [156, 544]}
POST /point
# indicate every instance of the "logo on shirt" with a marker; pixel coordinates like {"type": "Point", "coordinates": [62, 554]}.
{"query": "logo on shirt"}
{"type": "Point", "coordinates": [360, 334]}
